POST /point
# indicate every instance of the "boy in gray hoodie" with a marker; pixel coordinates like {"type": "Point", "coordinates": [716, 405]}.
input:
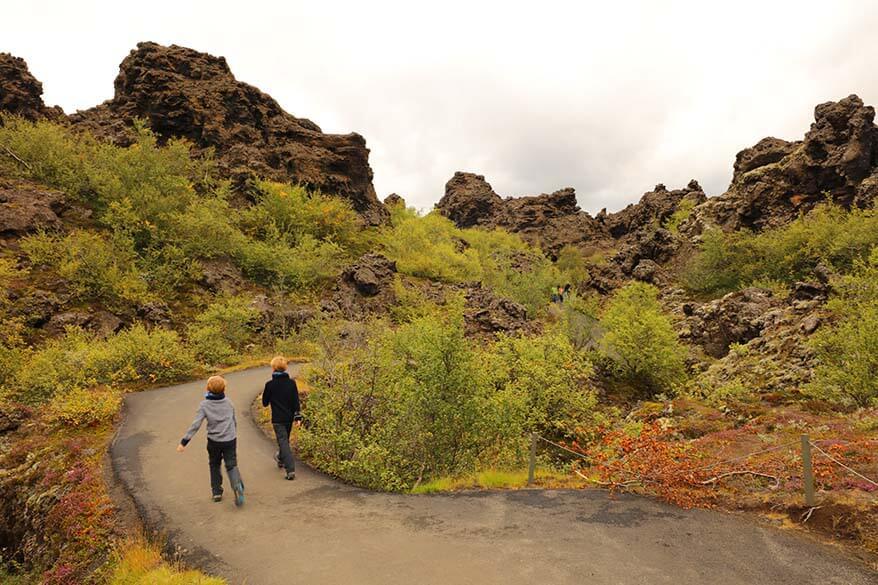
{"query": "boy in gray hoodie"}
{"type": "Point", "coordinates": [222, 437]}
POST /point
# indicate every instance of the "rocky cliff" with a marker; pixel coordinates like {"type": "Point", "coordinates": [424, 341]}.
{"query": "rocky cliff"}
{"type": "Point", "coordinates": [183, 93]}
{"type": "Point", "coordinates": [20, 92]}
{"type": "Point", "coordinates": [550, 221]}
{"type": "Point", "coordinates": [775, 180]}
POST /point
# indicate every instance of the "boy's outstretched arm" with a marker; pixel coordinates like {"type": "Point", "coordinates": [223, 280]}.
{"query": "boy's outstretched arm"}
{"type": "Point", "coordinates": [193, 428]}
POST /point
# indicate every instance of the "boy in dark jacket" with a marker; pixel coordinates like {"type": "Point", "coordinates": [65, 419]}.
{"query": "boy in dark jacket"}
{"type": "Point", "coordinates": [222, 438]}
{"type": "Point", "coordinates": [282, 394]}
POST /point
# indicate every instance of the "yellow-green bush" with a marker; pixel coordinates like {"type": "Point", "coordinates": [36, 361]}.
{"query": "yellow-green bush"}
{"type": "Point", "coordinates": [79, 407]}
{"type": "Point", "coordinates": [96, 268]}
{"type": "Point", "coordinates": [141, 563]}
{"type": "Point", "coordinates": [11, 340]}
{"type": "Point", "coordinates": [306, 265]}
{"type": "Point", "coordinates": [681, 214]}
{"type": "Point", "coordinates": [430, 247]}
{"type": "Point", "coordinates": [572, 263]}
{"type": "Point", "coordinates": [80, 359]}
{"type": "Point", "coordinates": [49, 153]}
{"type": "Point", "coordinates": [548, 378]}
{"type": "Point", "coordinates": [391, 409]}
{"type": "Point", "coordinates": [828, 234]}
{"type": "Point", "coordinates": [640, 343]}
{"type": "Point", "coordinates": [290, 213]}
{"type": "Point", "coordinates": [222, 330]}
{"type": "Point", "coordinates": [847, 350]}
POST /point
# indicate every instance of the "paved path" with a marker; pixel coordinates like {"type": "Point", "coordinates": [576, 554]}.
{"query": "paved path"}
{"type": "Point", "coordinates": [318, 531]}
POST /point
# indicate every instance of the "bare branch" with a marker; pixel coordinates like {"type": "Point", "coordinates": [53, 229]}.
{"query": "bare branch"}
{"type": "Point", "coordinates": [741, 472]}
{"type": "Point", "coordinates": [17, 158]}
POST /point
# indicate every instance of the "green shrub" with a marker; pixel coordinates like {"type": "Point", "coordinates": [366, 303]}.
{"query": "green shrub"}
{"type": "Point", "coordinates": [48, 153]}
{"type": "Point", "coordinates": [222, 330]}
{"type": "Point", "coordinates": [681, 214]}
{"type": "Point", "coordinates": [153, 182]}
{"type": "Point", "coordinates": [640, 342]}
{"type": "Point", "coordinates": [847, 351]}
{"type": "Point", "coordinates": [291, 213]}
{"type": "Point", "coordinates": [532, 287]}
{"type": "Point", "coordinates": [430, 247]}
{"type": "Point", "coordinates": [549, 377]}
{"type": "Point", "coordinates": [95, 267]}
{"type": "Point", "coordinates": [391, 409]}
{"type": "Point", "coordinates": [77, 407]}
{"type": "Point", "coordinates": [82, 360]}
{"type": "Point", "coordinates": [572, 264]}
{"type": "Point", "coordinates": [828, 234]}
{"type": "Point", "coordinates": [306, 265]}
{"type": "Point", "coordinates": [11, 333]}
{"type": "Point", "coordinates": [206, 229]}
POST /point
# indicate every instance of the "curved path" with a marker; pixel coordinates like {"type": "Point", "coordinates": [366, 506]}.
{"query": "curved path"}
{"type": "Point", "coordinates": [318, 531]}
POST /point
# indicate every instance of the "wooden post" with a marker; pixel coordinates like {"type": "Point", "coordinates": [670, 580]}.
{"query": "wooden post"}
{"type": "Point", "coordinates": [808, 474]}
{"type": "Point", "coordinates": [531, 469]}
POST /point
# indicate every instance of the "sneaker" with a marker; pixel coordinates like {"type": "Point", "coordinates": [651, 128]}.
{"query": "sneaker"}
{"type": "Point", "coordinates": [239, 494]}
{"type": "Point", "coordinates": [291, 475]}
{"type": "Point", "coordinates": [280, 464]}
{"type": "Point", "coordinates": [217, 497]}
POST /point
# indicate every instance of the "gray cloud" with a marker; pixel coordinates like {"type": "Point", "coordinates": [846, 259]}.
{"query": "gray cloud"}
{"type": "Point", "coordinates": [607, 99]}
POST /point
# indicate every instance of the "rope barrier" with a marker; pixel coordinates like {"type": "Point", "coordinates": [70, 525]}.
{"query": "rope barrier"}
{"type": "Point", "coordinates": [562, 447]}
{"type": "Point", "coordinates": [736, 459]}
{"type": "Point", "coordinates": [744, 457]}
{"type": "Point", "coordinates": [711, 465]}
{"type": "Point", "coordinates": [839, 463]}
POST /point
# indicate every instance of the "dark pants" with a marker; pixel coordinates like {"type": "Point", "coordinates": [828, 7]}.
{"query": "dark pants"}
{"type": "Point", "coordinates": [217, 452]}
{"type": "Point", "coordinates": [284, 454]}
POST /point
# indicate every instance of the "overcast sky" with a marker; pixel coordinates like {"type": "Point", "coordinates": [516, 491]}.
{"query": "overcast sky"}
{"type": "Point", "coordinates": [607, 97]}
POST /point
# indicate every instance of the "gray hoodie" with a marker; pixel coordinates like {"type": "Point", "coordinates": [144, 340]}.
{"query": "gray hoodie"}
{"type": "Point", "coordinates": [220, 414]}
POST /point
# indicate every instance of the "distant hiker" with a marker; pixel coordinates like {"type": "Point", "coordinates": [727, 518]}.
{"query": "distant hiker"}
{"type": "Point", "coordinates": [566, 294]}
{"type": "Point", "coordinates": [282, 394]}
{"type": "Point", "coordinates": [222, 438]}
{"type": "Point", "coordinates": [560, 292]}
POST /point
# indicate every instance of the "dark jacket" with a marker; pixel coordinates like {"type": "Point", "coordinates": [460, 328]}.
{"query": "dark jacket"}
{"type": "Point", "coordinates": [283, 396]}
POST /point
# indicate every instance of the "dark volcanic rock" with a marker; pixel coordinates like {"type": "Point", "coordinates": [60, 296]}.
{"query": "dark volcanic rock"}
{"type": "Point", "coordinates": [25, 207]}
{"type": "Point", "coordinates": [393, 200]}
{"type": "Point", "coordinates": [775, 180]}
{"type": "Point", "coordinates": [735, 318]}
{"type": "Point", "coordinates": [486, 313]}
{"type": "Point", "coordinates": [186, 94]}
{"type": "Point", "coordinates": [37, 307]}
{"type": "Point", "coordinates": [155, 313]}
{"type": "Point", "coordinates": [767, 151]}
{"type": "Point", "coordinates": [469, 200]}
{"type": "Point", "coordinates": [20, 92]}
{"type": "Point", "coordinates": [100, 321]}
{"type": "Point", "coordinates": [656, 245]}
{"type": "Point", "coordinates": [652, 210]}
{"type": "Point", "coordinates": [221, 275]}
{"type": "Point", "coordinates": [645, 270]}
{"type": "Point", "coordinates": [550, 221]}
{"type": "Point", "coordinates": [370, 274]}
{"type": "Point", "coordinates": [364, 288]}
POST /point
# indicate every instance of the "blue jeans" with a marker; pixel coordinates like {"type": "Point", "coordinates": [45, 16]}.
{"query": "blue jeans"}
{"type": "Point", "coordinates": [284, 454]}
